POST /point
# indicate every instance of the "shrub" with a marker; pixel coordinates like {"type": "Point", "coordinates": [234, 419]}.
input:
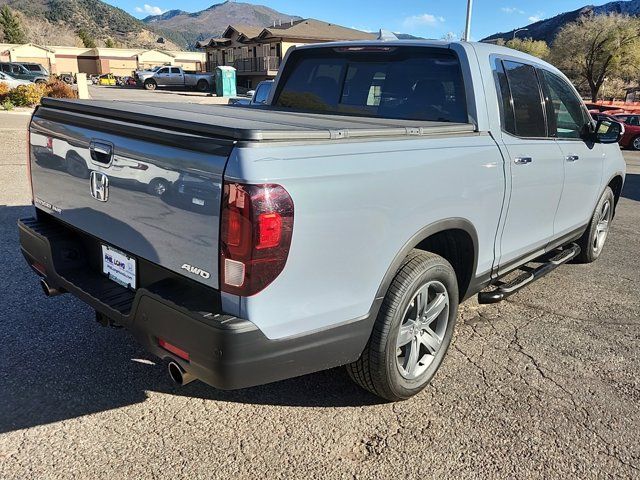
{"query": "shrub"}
{"type": "Point", "coordinates": [27, 95]}
{"type": "Point", "coordinates": [4, 89]}
{"type": "Point", "coordinates": [59, 89]}
{"type": "Point", "coordinates": [7, 105]}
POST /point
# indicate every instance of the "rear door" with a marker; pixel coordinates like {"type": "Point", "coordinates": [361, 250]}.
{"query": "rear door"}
{"type": "Point", "coordinates": [177, 77]}
{"type": "Point", "coordinates": [533, 167]}
{"type": "Point", "coordinates": [582, 161]}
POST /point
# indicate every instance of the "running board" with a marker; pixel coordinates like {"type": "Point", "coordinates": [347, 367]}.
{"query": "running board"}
{"type": "Point", "coordinates": [507, 289]}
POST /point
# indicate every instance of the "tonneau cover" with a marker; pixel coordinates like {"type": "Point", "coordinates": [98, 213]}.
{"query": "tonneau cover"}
{"type": "Point", "coordinates": [251, 123]}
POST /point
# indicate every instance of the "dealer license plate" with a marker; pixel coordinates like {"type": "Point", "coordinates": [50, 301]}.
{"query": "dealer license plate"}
{"type": "Point", "coordinates": [119, 267]}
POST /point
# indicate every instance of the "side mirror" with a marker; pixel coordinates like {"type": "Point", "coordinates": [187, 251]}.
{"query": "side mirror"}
{"type": "Point", "coordinates": [608, 131]}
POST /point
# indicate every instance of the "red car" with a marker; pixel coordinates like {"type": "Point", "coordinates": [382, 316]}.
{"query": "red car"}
{"type": "Point", "coordinates": [631, 137]}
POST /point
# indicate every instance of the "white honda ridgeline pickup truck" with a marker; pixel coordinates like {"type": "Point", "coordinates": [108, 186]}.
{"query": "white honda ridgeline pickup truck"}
{"type": "Point", "coordinates": [340, 224]}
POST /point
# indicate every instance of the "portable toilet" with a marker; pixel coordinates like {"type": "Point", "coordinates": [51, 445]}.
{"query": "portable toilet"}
{"type": "Point", "coordinates": [225, 81]}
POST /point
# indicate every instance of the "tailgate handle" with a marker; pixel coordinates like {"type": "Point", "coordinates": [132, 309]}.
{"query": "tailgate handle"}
{"type": "Point", "coordinates": [101, 152]}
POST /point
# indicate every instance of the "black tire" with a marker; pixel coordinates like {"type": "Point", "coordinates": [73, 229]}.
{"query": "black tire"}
{"type": "Point", "coordinates": [202, 86]}
{"type": "Point", "coordinates": [150, 85]}
{"type": "Point", "coordinates": [377, 370]}
{"type": "Point", "coordinates": [40, 81]}
{"type": "Point", "coordinates": [589, 249]}
{"type": "Point", "coordinates": [635, 143]}
{"type": "Point", "coordinates": [158, 187]}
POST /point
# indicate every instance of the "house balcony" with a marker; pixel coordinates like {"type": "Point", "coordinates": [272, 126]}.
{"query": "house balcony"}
{"type": "Point", "coordinates": [251, 66]}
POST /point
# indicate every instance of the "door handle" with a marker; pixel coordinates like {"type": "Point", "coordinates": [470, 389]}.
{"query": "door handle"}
{"type": "Point", "coordinates": [572, 158]}
{"type": "Point", "coordinates": [522, 160]}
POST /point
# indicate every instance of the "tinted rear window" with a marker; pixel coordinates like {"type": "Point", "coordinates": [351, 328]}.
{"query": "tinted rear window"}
{"type": "Point", "coordinates": [402, 83]}
{"type": "Point", "coordinates": [32, 68]}
{"type": "Point", "coordinates": [527, 102]}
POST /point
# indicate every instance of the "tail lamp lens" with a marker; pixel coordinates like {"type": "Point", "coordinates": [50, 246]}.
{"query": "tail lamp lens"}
{"type": "Point", "coordinates": [255, 236]}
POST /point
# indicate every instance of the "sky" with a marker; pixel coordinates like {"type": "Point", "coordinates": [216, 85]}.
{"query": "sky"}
{"type": "Point", "coordinates": [428, 18]}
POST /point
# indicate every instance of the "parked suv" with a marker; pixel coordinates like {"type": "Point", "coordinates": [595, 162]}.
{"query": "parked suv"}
{"type": "Point", "coordinates": [341, 223]}
{"type": "Point", "coordinates": [20, 72]}
{"type": "Point", "coordinates": [35, 68]}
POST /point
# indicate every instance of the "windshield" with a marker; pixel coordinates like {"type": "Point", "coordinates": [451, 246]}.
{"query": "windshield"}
{"type": "Point", "coordinates": [389, 82]}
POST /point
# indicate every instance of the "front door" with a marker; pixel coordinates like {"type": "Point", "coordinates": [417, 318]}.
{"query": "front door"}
{"type": "Point", "coordinates": [582, 161]}
{"type": "Point", "coordinates": [532, 165]}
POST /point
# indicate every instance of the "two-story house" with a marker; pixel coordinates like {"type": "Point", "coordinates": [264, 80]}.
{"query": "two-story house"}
{"type": "Point", "coordinates": [256, 53]}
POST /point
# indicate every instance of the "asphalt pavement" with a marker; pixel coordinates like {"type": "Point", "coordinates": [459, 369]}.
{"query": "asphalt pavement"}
{"type": "Point", "coordinates": [544, 385]}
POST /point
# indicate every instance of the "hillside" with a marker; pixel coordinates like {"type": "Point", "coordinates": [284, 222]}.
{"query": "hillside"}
{"type": "Point", "coordinates": [547, 29]}
{"type": "Point", "coordinates": [212, 21]}
{"type": "Point", "coordinates": [57, 22]}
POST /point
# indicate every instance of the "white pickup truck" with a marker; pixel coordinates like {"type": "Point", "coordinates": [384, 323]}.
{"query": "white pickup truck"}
{"type": "Point", "coordinates": [175, 77]}
{"type": "Point", "coordinates": [341, 223]}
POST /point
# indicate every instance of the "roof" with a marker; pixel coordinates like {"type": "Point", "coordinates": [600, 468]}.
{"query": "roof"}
{"type": "Point", "coordinates": [16, 46]}
{"type": "Point", "coordinates": [311, 28]}
{"type": "Point", "coordinates": [247, 31]}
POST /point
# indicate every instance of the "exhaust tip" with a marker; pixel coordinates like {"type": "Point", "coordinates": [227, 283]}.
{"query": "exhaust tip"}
{"type": "Point", "coordinates": [179, 375]}
{"type": "Point", "coordinates": [48, 290]}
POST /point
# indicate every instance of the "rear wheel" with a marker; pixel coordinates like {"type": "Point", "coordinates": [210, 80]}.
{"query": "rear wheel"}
{"type": "Point", "coordinates": [202, 86]}
{"type": "Point", "coordinates": [593, 240]}
{"type": "Point", "coordinates": [158, 187]}
{"type": "Point", "coordinates": [635, 143]}
{"type": "Point", "coordinates": [150, 85]}
{"type": "Point", "coordinates": [413, 329]}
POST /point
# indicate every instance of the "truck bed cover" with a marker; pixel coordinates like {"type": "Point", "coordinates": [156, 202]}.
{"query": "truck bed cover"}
{"type": "Point", "coordinates": [246, 124]}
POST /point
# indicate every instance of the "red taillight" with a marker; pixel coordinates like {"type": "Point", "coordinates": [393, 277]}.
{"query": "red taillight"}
{"type": "Point", "coordinates": [140, 166]}
{"type": "Point", "coordinates": [255, 236]}
{"type": "Point", "coordinates": [29, 162]}
{"type": "Point", "coordinates": [269, 230]}
{"type": "Point", "coordinates": [177, 351]}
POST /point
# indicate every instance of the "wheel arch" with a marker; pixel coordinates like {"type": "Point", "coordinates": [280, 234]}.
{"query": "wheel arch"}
{"type": "Point", "coordinates": [451, 238]}
{"type": "Point", "coordinates": [616, 183]}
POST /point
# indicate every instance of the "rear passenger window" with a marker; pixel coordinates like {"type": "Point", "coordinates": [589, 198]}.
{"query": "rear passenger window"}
{"type": "Point", "coordinates": [507, 118]}
{"type": "Point", "coordinates": [175, 70]}
{"type": "Point", "coordinates": [527, 102]}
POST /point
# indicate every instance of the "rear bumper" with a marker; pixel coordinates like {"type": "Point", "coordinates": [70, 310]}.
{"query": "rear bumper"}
{"type": "Point", "coordinates": [224, 351]}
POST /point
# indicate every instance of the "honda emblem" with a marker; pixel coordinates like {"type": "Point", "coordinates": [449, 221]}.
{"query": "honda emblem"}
{"type": "Point", "coordinates": [99, 186]}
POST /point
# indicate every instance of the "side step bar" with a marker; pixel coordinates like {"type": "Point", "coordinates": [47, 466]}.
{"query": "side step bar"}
{"type": "Point", "coordinates": [505, 290]}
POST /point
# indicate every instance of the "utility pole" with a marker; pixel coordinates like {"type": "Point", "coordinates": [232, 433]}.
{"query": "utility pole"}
{"type": "Point", "coordinates": [467, 28]}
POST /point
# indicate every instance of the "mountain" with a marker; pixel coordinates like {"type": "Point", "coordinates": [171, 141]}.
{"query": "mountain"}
{"type": "Point", "coordinates": [213, 21]}
{"type": "Point", "coordinates": [56, 22]}
{"type": "Point", "coordinates": [547, 29]}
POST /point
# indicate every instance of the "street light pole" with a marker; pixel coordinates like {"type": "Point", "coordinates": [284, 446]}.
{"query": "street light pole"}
{"type": "Point", "coordinates": [467, 29]}
{"type": "Point", "coordinates": [515, 32]}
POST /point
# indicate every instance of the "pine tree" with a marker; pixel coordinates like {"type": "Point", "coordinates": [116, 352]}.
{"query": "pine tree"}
{"type": "Point", "coordinates": [13, 32]}
{"type": "Point", "coordinates": [87, 40]}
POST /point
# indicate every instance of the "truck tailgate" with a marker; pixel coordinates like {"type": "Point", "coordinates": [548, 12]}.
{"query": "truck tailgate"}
{"type": "Point", "coordinates": [151, 193]}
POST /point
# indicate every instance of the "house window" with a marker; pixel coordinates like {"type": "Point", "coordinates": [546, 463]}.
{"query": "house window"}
{"type": "Point", "coordinates": [245, 52]}
{"type": "Point", "coordinates": [230, 56]}
{"type": "Point", "coordinates": [266, 50]}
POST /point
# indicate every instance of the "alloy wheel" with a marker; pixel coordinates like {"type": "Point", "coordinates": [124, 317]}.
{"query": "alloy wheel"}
{"type": "Point", "coordinates": [422, 330]}
{"type": "Point", "coordinates": [602, 227]}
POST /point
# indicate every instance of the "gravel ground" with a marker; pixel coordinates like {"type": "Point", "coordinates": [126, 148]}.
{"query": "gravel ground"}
{"type": "Point", "coordinates": [544, 385]}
